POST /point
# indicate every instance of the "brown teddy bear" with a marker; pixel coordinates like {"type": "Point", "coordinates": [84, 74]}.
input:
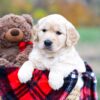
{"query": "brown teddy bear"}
{"type": "Point", "coordinates": [15, 36]}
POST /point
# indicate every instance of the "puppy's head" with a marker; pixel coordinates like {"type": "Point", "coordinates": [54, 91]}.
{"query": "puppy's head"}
{"type": "Point", "coordinates": [54, 32]}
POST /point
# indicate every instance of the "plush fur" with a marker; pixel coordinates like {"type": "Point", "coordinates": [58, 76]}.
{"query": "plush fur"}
{"type": "Point", "coordinates": [13, 30]}
{"type": "Point", "coordinates": [60, 57]}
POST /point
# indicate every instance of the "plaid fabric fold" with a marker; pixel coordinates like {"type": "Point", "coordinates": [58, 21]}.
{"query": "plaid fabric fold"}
{"type": "Point", "coordinates": [39, 89]}
{"type": "Point", "coordinates": [36, 89]}
{"type": "Point", "coordinates": [89, 91]}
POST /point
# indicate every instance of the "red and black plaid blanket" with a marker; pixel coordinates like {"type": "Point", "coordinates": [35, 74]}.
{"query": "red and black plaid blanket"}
{"type": "Point", "coordinates": [38, 88]}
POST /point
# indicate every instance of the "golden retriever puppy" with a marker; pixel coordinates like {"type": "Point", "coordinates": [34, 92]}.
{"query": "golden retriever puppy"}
{"type": "Point", "coordinates": [54, 50]}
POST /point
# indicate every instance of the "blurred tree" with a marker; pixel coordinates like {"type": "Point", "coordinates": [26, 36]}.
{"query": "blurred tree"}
{"type": "Point", "coordinates": [40, 9]}
{"type": "Point", "coordinates": [15, 6]}
{"type": "Point", "coordinates": [40, 3]}
{"type": "Point", "coordinates": [39, 13]}
{"type": "Point", "coordinates": [79, 12]}
{"type": "Point", "coordinates": [52, 6]}
{"type": "Point", "coordinates": [21, 6]}
{"type": "Point", "coordinates": [76, 12]}
{"type": "Point", "coordinates": [5, 6]}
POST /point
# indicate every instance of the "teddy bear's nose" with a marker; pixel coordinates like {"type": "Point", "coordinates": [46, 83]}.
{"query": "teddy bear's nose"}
{"type": "Point", "coordinates": [15, 32]}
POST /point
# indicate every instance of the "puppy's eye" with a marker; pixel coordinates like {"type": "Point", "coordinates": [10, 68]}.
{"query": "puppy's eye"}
{"type": "Point", "coordinates": [58, 33]}
{"type": "Point", "coordinates": [44, 30]}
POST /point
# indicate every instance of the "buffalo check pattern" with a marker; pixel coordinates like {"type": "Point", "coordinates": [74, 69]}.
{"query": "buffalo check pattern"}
{"type": "Point", "coordinates": [39, 89]}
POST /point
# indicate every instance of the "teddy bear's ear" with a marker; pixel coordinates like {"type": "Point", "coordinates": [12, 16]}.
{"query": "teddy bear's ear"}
{"type": "Point", "coordinates": [28, 18]}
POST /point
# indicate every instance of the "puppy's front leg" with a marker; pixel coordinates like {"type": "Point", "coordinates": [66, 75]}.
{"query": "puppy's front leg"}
{"type": "Point", "coordinates": [57, 74]}
{"type": "Point", "coordinates": [56, 80]}
{"type": "Point", "coordinates": [25, 72]}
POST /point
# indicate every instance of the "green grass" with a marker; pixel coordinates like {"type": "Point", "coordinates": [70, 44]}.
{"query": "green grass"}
{"type": "Point", "coordinates": [89, 34]}
{"type": "Point", "coordinates": [98, 86]}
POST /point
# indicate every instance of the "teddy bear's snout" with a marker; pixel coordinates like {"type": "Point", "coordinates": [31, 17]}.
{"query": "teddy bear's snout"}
{"type": "Point", "coordinates": [14, 35]}
{"type": "Point", "coordinates": [15, 32]}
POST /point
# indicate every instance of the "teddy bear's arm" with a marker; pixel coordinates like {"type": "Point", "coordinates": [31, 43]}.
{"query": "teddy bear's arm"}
{"type": "Point", "coordinates": [3, 62]}
{"type": "Point", "coordinates": [28, 49]}
{"type": "Point", "coordinates": [6, 59]}
{"type": "Point", "coordinates": [23, 56]}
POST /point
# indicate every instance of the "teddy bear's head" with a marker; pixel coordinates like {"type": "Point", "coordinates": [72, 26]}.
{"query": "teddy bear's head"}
{"type": "Point", "coordinates": [15, 28]}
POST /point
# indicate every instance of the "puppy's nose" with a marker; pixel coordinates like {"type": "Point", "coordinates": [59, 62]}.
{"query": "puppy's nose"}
{"type": "Point", "coordinates": [15, 32]}
{"type": "Point", "coordinates": [47, 43]}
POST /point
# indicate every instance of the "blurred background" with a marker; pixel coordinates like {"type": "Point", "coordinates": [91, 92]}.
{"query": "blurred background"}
{"type": "Point", "coordinates": [84, 14]}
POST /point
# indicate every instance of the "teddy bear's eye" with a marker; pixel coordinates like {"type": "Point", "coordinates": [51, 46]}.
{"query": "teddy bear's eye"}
{"type": "Point", "coordinates": [58, 33]}
{"type": "Point", "coordinates": [44, 30]}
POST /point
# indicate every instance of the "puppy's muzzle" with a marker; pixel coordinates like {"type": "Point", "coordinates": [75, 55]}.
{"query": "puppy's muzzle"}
{"type": "Point", "coordinates": [48, 43]}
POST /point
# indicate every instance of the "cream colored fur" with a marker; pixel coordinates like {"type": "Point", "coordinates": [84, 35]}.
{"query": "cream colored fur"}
{"type": "Point", "coordinates": [61, 59]}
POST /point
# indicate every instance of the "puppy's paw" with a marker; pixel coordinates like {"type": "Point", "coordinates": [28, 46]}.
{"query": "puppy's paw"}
{"type": "Point", "coordinates": [24, 75]}
{"type": "Point", "coordinates": [56, 81]}
{"type": "Point", "coordinates": [25, 72]}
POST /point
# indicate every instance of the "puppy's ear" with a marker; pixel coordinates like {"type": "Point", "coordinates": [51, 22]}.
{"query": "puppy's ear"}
{"type": "Point", "coordinates": [35, 36]}
{"type": "Point", "coordinates": [72, 35]}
